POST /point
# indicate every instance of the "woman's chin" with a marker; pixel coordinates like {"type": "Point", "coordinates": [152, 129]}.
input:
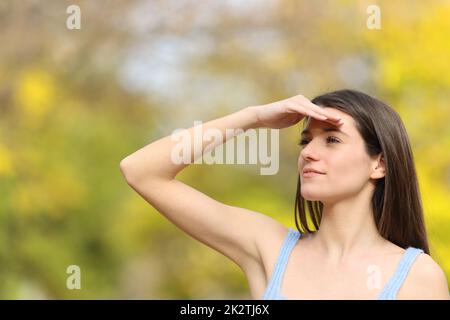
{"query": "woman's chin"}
{"type": "Point", "coordinates": [311, 195]}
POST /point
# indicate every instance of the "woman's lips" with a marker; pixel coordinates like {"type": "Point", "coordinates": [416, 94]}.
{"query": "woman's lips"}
{"type": "Point", "coordinates": [311, 174]}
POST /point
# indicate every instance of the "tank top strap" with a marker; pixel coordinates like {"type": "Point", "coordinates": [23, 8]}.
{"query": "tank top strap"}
{"type": "Point", "coordinates": [280, 266]}
{"type": "Point", "coordinates": [396, 281]}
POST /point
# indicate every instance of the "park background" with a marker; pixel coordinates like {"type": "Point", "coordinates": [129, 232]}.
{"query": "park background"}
{"type": "Point", "coordinates": [73, 103]}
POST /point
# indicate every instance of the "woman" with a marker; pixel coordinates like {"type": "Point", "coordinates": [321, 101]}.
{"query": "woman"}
{"type": "Point", "coordinates": [356, 180]}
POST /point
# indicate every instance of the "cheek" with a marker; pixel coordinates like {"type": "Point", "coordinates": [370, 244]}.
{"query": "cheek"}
{"type": "Point", "coordinates": [349, 171]}
{"type": "Point", "coordinates": [350, 161]}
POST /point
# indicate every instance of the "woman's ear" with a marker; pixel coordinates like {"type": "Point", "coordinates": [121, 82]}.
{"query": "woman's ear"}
{"type": "Point", "coordinates": [379, 169]}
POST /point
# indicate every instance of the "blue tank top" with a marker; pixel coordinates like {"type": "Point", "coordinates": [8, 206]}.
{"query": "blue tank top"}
{"type": "Point", "coordinates": [389, 291]}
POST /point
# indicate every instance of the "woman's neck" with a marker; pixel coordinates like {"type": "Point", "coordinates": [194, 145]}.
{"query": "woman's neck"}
{"type": "Point", "coordinates": [347, 230]}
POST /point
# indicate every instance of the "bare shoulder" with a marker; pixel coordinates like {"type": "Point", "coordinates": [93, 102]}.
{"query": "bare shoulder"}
{"type": "Point", "coordinates": [426, 280]}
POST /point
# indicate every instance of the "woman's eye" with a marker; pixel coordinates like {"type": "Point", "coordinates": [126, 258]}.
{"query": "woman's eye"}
{"type": "Point", "coordinates": [330, 139]}
{"type": "Point", "coordinates": [302, 142]}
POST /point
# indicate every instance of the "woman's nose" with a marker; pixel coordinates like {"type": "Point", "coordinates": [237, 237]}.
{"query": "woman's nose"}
{"type": "Point", "coordinates": [309, 151]}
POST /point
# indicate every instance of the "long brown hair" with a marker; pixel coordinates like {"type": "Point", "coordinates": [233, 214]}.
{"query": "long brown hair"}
{"type": "Point", "coordinates": [396, 201]}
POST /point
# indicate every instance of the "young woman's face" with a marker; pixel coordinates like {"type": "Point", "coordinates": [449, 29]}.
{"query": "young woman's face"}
{"type": "Point", "coordinates": [339, 153]}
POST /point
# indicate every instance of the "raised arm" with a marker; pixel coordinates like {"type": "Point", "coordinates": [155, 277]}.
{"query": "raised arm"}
{"type": "Point", "coordinates": [234, 232]}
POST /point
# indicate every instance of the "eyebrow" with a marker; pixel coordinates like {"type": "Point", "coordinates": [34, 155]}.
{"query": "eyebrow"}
{"type": "Point", "coordinates": [306, 131]}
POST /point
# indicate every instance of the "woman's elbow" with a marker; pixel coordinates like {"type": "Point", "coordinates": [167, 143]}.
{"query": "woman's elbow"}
{"type": "Point", "coordinates": [127, 170]}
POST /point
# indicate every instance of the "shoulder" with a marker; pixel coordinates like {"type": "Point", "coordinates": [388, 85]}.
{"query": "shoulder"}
{"type": "Point", "coordinates": [426, 280]}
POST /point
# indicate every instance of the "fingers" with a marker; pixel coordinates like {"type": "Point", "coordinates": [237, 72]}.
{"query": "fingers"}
{"type": "Point", "coordinates": [304, 110]}
{"type": "Point", "coordinates": [318, 110]}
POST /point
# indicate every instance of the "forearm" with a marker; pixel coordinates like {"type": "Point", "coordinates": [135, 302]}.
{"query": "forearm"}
{"type": "Point", "coordinates": [155, 160]}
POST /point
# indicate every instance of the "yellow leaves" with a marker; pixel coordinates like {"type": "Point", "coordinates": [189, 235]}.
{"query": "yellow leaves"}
{"type": "Point", "coordinates": [6, 167]}
{"type": "Point", "coordinates": [436, 207]}
{"type": "Point", "coordinates": [391, 74]}
{"type": "Point", "coordinates": [434, 196]}
{"type": "Point", "coordinates": [53, 193]}
{"type": "Point", "coordinates": [35, 94]}
{"type": "Point", "coordinates": [412, 46]}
